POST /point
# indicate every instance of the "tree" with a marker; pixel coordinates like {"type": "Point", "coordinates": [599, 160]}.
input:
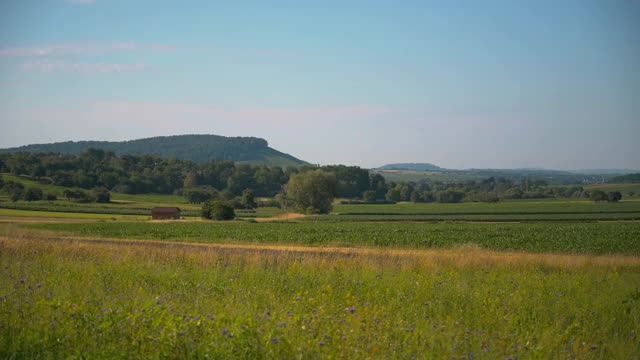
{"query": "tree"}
{"type": "Point", "coordinates": [75, 195]}
{"type": "Point", "coordinates": [415, 197]}
{"type": "Point", "coordinates": [50, 197]}
{"type": "Point", "coordinates": [199, 195]}
{"type": "Point", "coordinates": [614, 196]}
{"type": "Point", "coordinates": [16, 193]}
{"type": "Point", "coordinates": [427, 196]}
{"type": "Point", "coordinates": [369, 196]}
{"type": "Point", "coordinates": [248, 201]}
{"type": "Point", "coordinates": [599, 195]}
{"type": "Point", "coordinates": [100, 195]}
{"type": "Point", "coordinates": [449, 196]}
{"type": "Point", "coordinates": [33, 194]}
{"type": "Point", "coordinates": [311, 191]}
{"type": "Point", "coordinates": [393, 195]}
{"type": "Point", "coordinates": [217, 210]}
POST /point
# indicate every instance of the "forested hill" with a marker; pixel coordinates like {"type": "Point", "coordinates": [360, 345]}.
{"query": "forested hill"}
{"type": "Point", "coordinates": [197, 148]}
{"type": "Point", "coordinates": [411, 166]}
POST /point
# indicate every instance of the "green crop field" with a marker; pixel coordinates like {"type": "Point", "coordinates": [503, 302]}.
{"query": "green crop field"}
{"type": "Point", "coordinates": [545, 206]}
{"type": "Point", "coordinates": [590, 238]}
{"type": "Point", "coordinates": [96, 300]}
{"type": "Point", "coordinates": [623, 188]}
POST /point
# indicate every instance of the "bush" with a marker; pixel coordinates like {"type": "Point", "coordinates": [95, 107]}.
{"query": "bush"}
{"type": "Point", "coordinates": [33, 194]}
{"type": "Point", "coordinates": [217, 210]}
{"type": "Point", "coordinates": [50, 197]}
{"type": "Point", "coordinates": [100, 195]}
{"type": "Point", "coordinates": [76, 195]}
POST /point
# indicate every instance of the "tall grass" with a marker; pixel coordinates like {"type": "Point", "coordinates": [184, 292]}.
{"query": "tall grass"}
{"type": "Point", "coordinates": [89, 300]}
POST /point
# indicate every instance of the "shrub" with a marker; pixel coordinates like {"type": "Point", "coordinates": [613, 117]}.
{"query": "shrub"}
{"type": "Point", "coordinates": [33, 194]}
{"type": "Point", "coordinates": [100, 195]}
{"type": "Point", "coordinates": [217, 210]}
{"type": "Point", "coordinates": [50, 197]}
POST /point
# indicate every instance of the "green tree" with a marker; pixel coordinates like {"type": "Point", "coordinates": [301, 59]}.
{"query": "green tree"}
{"type": "Point", "coordinates": [100, 195]}
{"type": "Point", "coordinates": [599, 195]}
{"type": "Point", "coordinates": [248, 201]}
{"type": "Point", "coordinates": [217, 210]}
{"type": "Point", "coordinates": [50, 197]}
{"type": "Point", "coordinates": [614, 196]}
{"type": "Point", "coordinates": [393, 195]}
{"type": "Point", "coordinates": [33, 194]}
{"type": "Point", "coordinates": [311, 191]}
{"type": "Point", "coordinates": [449, 196]}
{"type": "Point", "coordinates": [199, 195]}
{"type": "Point", "coordinates": [369, 196]}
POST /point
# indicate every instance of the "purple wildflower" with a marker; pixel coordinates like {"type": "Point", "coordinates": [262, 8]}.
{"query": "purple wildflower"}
{"type": "Point", "coordinates": [320, 343]}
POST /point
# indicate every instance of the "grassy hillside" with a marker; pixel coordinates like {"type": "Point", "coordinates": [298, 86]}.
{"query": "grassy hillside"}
{"type": "Point", "coordinates": [197, 148]}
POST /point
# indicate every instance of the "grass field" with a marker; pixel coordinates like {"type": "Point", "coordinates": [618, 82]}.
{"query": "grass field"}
{"type": "Point", "coordinates": [65, 299]}
{"type": "Point", "coordinates": [369, 281]}
{"type": "Point", "coordinates": [588, 238]}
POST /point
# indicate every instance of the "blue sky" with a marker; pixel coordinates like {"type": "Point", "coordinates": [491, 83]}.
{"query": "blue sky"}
{"type": "Point", "coordinates": [460, 84]}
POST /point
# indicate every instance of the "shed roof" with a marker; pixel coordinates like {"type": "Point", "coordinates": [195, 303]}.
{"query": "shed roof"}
{"type": "Point", "coordinates": [165, 209]}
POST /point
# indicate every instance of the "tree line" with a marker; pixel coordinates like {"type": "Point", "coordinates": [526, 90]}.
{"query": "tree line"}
{"type": "Point", "coordinates": [306, 188]}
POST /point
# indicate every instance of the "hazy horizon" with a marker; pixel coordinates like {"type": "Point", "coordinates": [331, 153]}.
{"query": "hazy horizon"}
{"type": "Point", "coordinates": [466, 85]}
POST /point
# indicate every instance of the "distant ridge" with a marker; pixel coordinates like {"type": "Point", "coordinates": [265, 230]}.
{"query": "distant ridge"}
{"type": "Point", "coordinates": [197, 148]}
{"type": "Point", "coordinates": [412, 166]}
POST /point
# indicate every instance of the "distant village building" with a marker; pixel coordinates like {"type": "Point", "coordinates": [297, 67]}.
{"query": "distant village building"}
{"type": "Point", "coordinates": [160, 213]}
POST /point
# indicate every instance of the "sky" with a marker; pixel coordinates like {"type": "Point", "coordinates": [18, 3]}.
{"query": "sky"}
{"type": "Point", "coordinates": [460, 84]}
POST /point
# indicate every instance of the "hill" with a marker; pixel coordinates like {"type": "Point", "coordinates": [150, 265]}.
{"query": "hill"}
{"type": "Point", "coordinates": [197, 148]}
{"type": "Point", "coordinates": [412, 167]}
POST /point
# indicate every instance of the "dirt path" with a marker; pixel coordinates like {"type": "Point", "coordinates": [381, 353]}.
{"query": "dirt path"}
{"type": "Point", "coordinates": [287, 216]}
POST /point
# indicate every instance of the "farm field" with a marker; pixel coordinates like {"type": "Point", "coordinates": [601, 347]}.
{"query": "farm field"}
{"type": "Point", "coordinates": [623, 188]}
{"type": "Point", "coordinates": [136, 300]}
{"type": "Point", "coordinates": [369, 281]}
{"type": "Point", "coordinates": [587, 238]}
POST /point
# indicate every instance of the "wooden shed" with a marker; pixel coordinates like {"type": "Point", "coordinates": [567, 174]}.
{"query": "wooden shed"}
{"type": "Point", "coordinates": [160, 213]}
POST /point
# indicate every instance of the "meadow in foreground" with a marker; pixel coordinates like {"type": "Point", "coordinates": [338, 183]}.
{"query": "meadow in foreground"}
{"type": "Point", "coordinates": [72, 299]}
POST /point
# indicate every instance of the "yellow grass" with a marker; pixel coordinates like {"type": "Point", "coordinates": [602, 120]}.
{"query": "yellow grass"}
{"type": "Point", "coordinates": [465, 256]}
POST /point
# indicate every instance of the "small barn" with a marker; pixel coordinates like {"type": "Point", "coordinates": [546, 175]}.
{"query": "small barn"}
{"type": "Point", "coordinates": [160, 213]}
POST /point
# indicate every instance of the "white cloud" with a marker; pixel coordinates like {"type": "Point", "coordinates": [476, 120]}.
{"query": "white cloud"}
{"type": "Point", "coordinates": [91, 49]}
{"type": "Point", "coordinates": [46, 66]}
